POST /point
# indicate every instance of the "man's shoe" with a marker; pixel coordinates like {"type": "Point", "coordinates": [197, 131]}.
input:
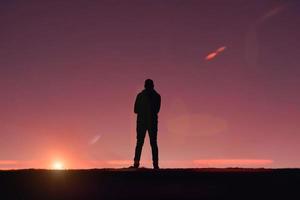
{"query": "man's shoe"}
{"type": "Point", "coordinates": [135, 165]}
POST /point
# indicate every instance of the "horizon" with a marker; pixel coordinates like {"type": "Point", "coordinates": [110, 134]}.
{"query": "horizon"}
{"type": "Point", "coordinates": [142, 168]}
{"type": "Point", "coordinates": [227, 72]}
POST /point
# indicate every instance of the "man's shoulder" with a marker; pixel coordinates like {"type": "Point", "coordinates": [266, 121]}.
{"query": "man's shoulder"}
{"type": "Point", "coordinates": [140, 94]}
{"type": "Point", "coordinates": [146, 93]}
{"type": "Point", "coordinates": [156, 93]}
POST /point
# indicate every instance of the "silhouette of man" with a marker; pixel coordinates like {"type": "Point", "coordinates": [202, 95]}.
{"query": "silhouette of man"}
{"type": "Point", "coordinates": [147, 106]}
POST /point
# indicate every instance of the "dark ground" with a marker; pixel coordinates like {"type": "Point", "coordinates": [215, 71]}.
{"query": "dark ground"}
{"type": "Point", "coordinates": [149, 184]}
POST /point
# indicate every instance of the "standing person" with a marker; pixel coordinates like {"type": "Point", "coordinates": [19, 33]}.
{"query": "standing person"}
{"type": "Point", "coordinates": [147, 106]}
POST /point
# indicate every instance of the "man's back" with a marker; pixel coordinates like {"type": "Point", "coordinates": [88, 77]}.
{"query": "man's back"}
{"type": "Point", "coordinates": [147, 106]}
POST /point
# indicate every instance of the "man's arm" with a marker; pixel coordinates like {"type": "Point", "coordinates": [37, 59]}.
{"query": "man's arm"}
{"type": "Point", "coordinates": [137, 104]}
{"type": "Point", "coordinates": [158, 103]}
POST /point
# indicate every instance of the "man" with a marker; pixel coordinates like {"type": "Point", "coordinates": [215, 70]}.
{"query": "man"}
{"type": "Point", "coordinates": [147, 106]}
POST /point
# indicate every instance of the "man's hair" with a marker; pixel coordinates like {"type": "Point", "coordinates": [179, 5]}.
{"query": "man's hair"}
{"type": "Point", "coordinates": [149, 84]}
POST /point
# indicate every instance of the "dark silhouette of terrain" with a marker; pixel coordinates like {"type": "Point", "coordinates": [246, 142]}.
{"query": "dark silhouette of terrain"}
{"type": "Point", "coordinates": [148, 184]}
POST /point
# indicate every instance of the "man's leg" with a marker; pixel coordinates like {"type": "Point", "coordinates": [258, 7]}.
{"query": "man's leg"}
{"type": "Point", "coordinates": [153, 141]}
{"type": "Point", "coordinates": [141, 132]}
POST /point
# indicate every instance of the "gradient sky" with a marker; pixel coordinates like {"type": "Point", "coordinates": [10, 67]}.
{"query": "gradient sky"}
{"type": "Point", "coordinates": [70, 72]}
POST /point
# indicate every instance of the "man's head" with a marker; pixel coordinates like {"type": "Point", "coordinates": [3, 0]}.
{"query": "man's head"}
{"type": "Point", "coordinates": [149, 85]}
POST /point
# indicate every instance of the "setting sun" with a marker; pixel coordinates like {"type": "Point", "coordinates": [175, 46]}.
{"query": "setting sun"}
{"type": "Point", "coordinates": [58, 165]}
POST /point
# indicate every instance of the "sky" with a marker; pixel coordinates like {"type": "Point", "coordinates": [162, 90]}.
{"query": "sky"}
{"type": "Point", "coordinates": [227, 72]}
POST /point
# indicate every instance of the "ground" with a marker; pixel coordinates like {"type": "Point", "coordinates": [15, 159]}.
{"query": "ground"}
{"type": "Point", "coordinates": [151, 184]}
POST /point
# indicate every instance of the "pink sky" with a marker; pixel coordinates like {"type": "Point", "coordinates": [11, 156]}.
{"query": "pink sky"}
{"type": "Point", "coordinates": [70, 73]}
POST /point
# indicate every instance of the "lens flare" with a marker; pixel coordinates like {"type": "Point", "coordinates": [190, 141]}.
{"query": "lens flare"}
{"type": "Point", "coordinates": [212, 55]}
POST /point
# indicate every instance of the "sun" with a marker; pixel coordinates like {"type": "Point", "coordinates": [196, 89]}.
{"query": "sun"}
{"type": "Point", "coordinates": [57, 165]}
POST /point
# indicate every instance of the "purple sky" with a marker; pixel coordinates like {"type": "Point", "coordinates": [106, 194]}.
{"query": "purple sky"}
{"type": "Point", "coordinates": [70, 72]}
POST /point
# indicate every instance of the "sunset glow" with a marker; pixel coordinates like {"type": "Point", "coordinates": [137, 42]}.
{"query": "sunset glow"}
{"type": "Point", "coordinates": [57, 165]}
{"type": "Point", "coordinates": [233, 163]}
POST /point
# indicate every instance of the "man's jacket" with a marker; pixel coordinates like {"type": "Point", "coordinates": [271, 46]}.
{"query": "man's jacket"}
{"type": "Point", "coordinates": [147, 106]}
